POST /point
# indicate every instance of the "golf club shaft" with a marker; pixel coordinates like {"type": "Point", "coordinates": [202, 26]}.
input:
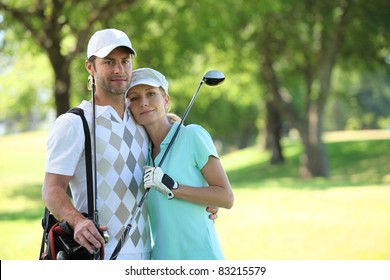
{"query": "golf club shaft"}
{"type": "Point", "coordinates": [91, 81]}
{"type": "Point", "coordinates": [180, 124]}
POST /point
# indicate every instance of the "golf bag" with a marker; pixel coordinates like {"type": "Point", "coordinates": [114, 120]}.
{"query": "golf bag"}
{"type": "Point", "coordinates": [57, 240]}
{"type": "Point", "coordinates": [58, 243]}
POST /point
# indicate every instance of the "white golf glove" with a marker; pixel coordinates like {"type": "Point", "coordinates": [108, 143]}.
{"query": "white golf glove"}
{"type": "Point", "coordinates": [155, 177]}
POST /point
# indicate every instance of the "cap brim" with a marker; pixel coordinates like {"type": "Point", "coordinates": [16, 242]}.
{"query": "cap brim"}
{"type": "Point", "coordinates": [102, 53]}
{"type": "Point", "coordinates": [144, 82]}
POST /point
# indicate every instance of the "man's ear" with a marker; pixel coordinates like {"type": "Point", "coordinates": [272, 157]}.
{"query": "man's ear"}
{"type": "Point", "coordinates": [89, 67]}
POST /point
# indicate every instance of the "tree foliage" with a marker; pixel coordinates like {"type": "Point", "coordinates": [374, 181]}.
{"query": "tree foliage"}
{"type": "Point", "coordinates": [60, 28]}
{"type": "Point", "coordinates": [284, 61]}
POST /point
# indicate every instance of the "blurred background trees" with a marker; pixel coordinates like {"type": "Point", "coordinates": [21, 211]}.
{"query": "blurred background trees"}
{"type": "Point", "coordinates": [303, 66]}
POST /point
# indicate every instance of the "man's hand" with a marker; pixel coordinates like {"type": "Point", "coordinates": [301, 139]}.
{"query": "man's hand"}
{"type": "Point", "coordinates": [87, 235]}
{"type": "Point", "coordinates": [213, 212]}
{"type": "Point", "coordinates": [156, 178]}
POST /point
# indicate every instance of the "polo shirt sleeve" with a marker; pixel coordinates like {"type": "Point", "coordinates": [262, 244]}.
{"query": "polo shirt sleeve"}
{"type": "Point", "coordinates": [65, 145]}
{"type": "Point", "coordinates": [203, 145]}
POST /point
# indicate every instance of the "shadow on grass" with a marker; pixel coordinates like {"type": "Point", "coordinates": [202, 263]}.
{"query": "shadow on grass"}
{"type": "Point", "coordinates": [30, 193]}
{"type": "Point", "coordinates": [353, 164]}
{"type": "Point", "coordinates": [30, 214]}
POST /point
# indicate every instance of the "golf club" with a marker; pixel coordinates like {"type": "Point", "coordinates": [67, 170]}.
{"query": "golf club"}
{"type": "Point", "coordinates": [211, 78]}
{"type": "Point", "coordinates": [91, 87]}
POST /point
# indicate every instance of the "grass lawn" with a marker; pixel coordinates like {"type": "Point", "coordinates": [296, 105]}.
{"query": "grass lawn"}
{"type": "Point", "coordinates": [276, 216]}
{"type": "Point", "coordinates": [286, 224]}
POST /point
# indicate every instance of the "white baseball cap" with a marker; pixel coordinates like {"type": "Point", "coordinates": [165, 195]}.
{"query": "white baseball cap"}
{"type": "Point", "coordinates": [104, 41]}
{"type": "Point", "coordinates": [150, 77]}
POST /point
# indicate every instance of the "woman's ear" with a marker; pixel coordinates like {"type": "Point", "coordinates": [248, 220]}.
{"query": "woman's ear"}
{"type": "Point", "coordinates": [167, 99]}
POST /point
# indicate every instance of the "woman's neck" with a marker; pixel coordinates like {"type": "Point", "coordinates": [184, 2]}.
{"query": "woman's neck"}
{"type": "Point", "coordinates": [157, 133]}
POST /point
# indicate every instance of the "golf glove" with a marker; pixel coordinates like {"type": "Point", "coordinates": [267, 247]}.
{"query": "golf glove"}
{"type": "Point", "coordinates": [155, 177]}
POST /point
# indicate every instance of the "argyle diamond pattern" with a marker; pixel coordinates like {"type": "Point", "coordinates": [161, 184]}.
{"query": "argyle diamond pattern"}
{"type": "Point", "coordinates": [121, 153]}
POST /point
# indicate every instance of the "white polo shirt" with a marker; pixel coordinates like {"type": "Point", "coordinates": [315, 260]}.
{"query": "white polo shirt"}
{"type": "Point", "coordinates": [121, 152]}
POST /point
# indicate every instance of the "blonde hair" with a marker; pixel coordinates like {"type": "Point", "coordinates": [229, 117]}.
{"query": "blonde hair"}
{"type": "Point", "coordinates": [172, 118]}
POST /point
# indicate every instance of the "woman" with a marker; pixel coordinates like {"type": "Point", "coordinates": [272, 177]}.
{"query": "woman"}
{"type": "Point", "coordinates": [191, 175]}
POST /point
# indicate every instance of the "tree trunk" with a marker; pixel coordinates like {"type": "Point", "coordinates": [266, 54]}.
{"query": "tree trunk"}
{"type": "Point", "coordinates": [62, 88]}
{"type": "Point", "coordinates": [273, 134]}
{"type": "Point", "coordinates": [314, 160]}
{"type": "Point", "coordinates": [62, 77]}
{"type": "Point", "coordinates": [273, 114]}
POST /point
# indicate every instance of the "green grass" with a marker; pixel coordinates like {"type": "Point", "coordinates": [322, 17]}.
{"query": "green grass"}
{"type": "Point", "coordinates": [280, 217]}
{"type": "Point", "coordinates": [276, 216]}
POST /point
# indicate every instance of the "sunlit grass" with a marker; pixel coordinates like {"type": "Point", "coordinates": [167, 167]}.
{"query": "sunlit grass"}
{"type": "Point", "coordinates": [277, 216]}
{"type": "Point", "coordinates": [337, 223]}
{"type": "Point", "coordinates": [22, 158]}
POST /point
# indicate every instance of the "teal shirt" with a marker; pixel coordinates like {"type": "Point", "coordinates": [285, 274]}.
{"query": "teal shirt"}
{"type": "Point", "coordinates": [181, 230]}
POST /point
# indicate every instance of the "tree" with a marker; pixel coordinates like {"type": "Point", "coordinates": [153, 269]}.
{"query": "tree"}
{"type": "Point", "coordinates": [279, 55]}
{"type": "Point", "coordinates": [23, 105]}
{"type": "Point", "coordinates": [184, 39]}
{"type": "Point", "coordinates": [298, 45]}
{"type": "Point", "coordinates": [61, 29]}
{"type": "Point", "coordinates": [166, 37]}
{"type": "Point", "coordinates": [309, 39]}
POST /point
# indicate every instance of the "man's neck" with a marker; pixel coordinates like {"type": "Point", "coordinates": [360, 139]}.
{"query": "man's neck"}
{"type": "Point", "coordinates": [117, 102]}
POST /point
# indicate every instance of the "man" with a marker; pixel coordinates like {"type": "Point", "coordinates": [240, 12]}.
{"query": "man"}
{"type": "Point", "coordinates": [121, 151]}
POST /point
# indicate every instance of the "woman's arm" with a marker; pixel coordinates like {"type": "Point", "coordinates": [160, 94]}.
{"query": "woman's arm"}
{"type": "Point", "coordinates": [219, 192]}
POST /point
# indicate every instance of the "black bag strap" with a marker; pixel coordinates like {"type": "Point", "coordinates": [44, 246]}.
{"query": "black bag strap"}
{"type": "Point", "coordinates": [88, 159]}
{"type": "Point", "coordinates": [88, 167]}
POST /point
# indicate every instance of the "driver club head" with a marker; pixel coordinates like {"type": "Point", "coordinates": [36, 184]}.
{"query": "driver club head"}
{"type": "Point", "coordinates": [213, 77]}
